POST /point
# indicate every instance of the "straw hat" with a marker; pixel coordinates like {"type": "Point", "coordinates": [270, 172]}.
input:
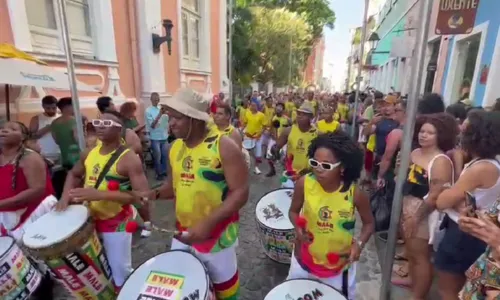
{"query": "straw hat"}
{"type": "Point", "coordinates": [307, 108]}
{"type": "Point", "coordinates": [190, 103]}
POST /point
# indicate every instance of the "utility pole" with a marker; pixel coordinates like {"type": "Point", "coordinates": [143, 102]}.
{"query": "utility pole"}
{"type": "Point", "coordinates": [230, 52]}
{"type": "Point", "coordinates": [290, 66]}
{"type": "Point", "coordinates": [360, 67]}
{"type": "Point", "coordinates": [411, 112]}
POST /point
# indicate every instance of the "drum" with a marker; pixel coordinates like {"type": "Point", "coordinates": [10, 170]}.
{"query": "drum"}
{"type": "Point", "coordinates": [249, 143]}
{"type": "Point", "coordinates": [18, 277]}
{"type": "Point", "coordinates": [69, 245]}
{"type": "Point", "coordinates": [277, 233]}
{"type": "Point", "coordinates": [303, 289]}
{"type": "Point", "coordinates": [175, 275]}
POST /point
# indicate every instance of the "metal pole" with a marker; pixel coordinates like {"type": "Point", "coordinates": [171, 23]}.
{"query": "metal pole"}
{"type": "Point", "coordinates": [415, 79]}
{"type": "Point", "coordinates": [71, 72]}
{"type": "Point", "coordinates": [360, 67]}
{"type": "Point", "coordinates": [290, 66]}
{"type": "Point", "coordinates": [230, 52]}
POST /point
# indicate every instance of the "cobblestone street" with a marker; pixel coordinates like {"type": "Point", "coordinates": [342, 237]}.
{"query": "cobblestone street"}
{"type": "Point", "coordinates": [258, 273]}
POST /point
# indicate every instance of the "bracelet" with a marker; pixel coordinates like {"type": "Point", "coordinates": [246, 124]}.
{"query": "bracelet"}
{"type": "Point", "coordinates": [360, 243]}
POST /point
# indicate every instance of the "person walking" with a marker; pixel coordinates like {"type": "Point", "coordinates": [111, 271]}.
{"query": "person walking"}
{"type": "Point", "coordinates": [157, 127]}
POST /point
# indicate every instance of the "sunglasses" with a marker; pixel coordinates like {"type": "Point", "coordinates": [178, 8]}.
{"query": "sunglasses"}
{"type": "Point", "coordinates": [105, 123]}
{"type": "Point", "coordinates": [323, 165]}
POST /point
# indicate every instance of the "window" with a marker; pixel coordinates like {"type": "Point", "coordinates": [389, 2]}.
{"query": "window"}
{"type": "Point", "coordinates": [45, 25]}
{"type": "Point", "coordinates": [465, 71]}
{"type": "Point", "coordinates": [191, 20]}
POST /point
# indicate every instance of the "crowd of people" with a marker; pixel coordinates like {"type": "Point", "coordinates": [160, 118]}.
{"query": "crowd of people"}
{"type": "Point", "coordinates": [450, 220]}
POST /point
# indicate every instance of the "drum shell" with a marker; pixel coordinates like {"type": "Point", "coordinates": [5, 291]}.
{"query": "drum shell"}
{"type": "Point", "coordinates": [19, 278]}
{"type": "Point", "coordinates": [80, 264]}
{"type": "Point", "coordinates": [304, 289]}
{"type": "Point", "coordinates": [278, 244]}
{"type": "Point", "coordinates": [153, 266]}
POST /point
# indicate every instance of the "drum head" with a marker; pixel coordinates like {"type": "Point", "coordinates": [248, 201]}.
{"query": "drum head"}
{"type": "Point", "coordinates": [248, 144]}
{"type": "Point", "coordinates": [55, 227]}
{"type": "Point", "coordinates": [170, 275]}
{"type": "Point", "coordinates": [303, 289]}
{"type": "Point", "coordinates": [272, 209]}
{"type": "Point", "coordinates": [6, 243]}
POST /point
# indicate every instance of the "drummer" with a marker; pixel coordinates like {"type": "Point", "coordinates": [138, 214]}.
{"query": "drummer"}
{"type": "Point", "coordinates": [327, 199]}
{"type": "Point", "coordinates": [209, 183]}
{"type": "Point", "coordinates": [111, 209]}
{"type": "Point", "coordinates": [298, 137]}
{"type": "Point", "coordinates": [255, 125]}
{"type": "Point", "coordinates": [25, 193]}
{"type": "Point", "coordinates": [278, 123]}
{"type": "Point", "coordinates": [222, 121]}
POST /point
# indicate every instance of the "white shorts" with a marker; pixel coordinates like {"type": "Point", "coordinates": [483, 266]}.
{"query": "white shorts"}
{"type": "Point", "coordinates": [296, 272]}
{"type": "Point", "coordinates": [271, 142]}
{"type": "Point", "coordinates": [118, 249]}
{"type": "Point", "coordinates": [257, 151]}
{"type": "Point", "coordinates": [221, 265]}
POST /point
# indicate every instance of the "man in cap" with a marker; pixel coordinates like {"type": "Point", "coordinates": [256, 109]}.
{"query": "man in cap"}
{"type": "Point", "coordinates": [298, 137]}
{"type": "Point", "coordinates": [209, 183]}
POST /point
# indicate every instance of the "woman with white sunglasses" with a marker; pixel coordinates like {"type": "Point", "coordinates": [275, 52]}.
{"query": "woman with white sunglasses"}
{"type": "Point", "coordinates": [323, 212]}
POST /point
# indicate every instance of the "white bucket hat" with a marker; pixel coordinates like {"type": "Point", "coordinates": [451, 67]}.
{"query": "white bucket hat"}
{"type": "Point", "coordinates": [189, 103]}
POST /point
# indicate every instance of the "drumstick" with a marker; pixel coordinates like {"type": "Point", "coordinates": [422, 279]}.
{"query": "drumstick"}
{"type": "Point", "coordinates": [133, 226]}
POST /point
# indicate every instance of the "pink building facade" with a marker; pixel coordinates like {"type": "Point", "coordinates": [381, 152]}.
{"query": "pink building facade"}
{"type": "Point", "coordinates": [113, 50]}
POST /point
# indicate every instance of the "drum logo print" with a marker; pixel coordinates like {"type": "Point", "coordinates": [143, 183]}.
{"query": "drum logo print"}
{"type": "Point", "coordinates": [272, 212]}
{"type": "Point", "coordinates": [324, 216]}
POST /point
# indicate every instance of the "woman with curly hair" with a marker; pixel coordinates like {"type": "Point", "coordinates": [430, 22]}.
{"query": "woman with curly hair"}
{"type": "Point", "coordinates": [323, 213]}
{"type": "Point", "coordinates": [481, 178]}
{"type": "Point", "coordinates": [430, 169]}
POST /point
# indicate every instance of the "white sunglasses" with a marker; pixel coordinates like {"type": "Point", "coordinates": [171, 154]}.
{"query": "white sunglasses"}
{"type": "Point", "coordinates": [105, 123]}
{"type": "Point", "coordinates": [323, 165]}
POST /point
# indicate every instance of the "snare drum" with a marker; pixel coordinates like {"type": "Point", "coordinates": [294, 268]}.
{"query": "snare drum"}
{"type": "Point", "coordinates": [69, 245]}
{"type": "Point", "coordinates": [249, 143]}
{"type": "Point", "coordinates": [18, 277]}
{"type": "Point", "coordinates": [277, 233]}
{"type": "Point", "coordinates": [303, 289]}
{"type": "Point", "coordinates": [171, 275]}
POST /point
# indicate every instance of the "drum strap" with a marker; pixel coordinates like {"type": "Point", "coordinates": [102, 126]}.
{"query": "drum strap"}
{"type": "Point", "coordinates": [345, 283]}
{"type": "Point", "coordinates": [108, 165]}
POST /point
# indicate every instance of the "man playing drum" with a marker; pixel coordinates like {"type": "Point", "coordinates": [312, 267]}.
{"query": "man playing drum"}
{"type": "Point", "coordinates": [297, 138]}
{"type": "Point", "coordinates": [222, 121]}
{"type": "Point", "coordinates": [209, 183]}
{"type": "Point", "coordinates": [101, 169]}
{"type": "Point", "coordinates": [255, 125]}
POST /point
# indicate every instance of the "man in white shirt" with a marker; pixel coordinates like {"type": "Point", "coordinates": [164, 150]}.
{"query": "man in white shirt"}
{"type": "Point", "coordinates": [40, 129]}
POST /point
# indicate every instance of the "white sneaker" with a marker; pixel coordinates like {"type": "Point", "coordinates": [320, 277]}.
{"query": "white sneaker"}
{"type": "Point", "coordinates": [257, 170]}
{"type": "Point", "coordinates": [146, 232]}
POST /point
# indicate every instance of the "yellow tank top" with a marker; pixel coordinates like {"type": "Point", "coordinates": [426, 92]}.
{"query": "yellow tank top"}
{"type": "Point", "coordinates": [269, 113]}
{"type": "Point", "coordinates": [200, 188]}
{"type": "Point", "coordinates": [325, 127]}
{"type": "Point", "coordinates": [294, 116]}
{"type": "Point", "coordinates": [370, 145]}
{"type": "Point", "coordinates": [94, 163]}
{"type": "Point", "coordinates": [298, 145]}
{"type": "Point", "coordinates": [283, 123]}
{"type": "Point", "coordinates": [330, 219]}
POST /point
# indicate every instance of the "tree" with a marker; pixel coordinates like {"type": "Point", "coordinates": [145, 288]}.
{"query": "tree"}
{"type": "Point", "coordinates": [244, 57]}
{"type": "Point", "coordinates": [275, 36]}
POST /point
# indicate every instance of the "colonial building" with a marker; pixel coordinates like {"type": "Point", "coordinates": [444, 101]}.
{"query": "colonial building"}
{"type": "Point", "coordinates": [113, 47]}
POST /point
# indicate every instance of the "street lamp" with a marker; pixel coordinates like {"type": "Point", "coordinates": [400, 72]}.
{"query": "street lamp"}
{"type": "Point", "coordinates": [373, 40]}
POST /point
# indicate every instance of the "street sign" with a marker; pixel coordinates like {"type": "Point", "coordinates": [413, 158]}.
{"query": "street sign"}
{"type": "Point", "coordinates": [456, 16]}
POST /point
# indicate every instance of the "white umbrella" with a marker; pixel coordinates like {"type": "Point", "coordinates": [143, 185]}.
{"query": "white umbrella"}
{"type": "Point", "coordinates": [22, 72]}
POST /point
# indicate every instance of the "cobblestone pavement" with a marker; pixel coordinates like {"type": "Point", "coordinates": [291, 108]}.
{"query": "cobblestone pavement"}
{"type": "Point", "coordinates": [258, 274]}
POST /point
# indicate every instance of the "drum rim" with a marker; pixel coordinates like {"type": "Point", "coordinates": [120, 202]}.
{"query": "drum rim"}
{"type": "Point", "coordinates": [176, 250]}
{"type": "Point", "coordinates": [13, 242]}
{"type": "Point", "coordinates": [308, 279]}
{"type": "Point", "coordinates": [257, 219]}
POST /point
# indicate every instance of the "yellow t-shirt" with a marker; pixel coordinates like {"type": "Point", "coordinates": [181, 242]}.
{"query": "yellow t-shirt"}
{"type": "Point", "coordinates": [343, 111]}
{"type": "Point", "coordinates": [325, 127]}
{"type": "Point", "coordinates": [284, 122]}
{"type": "Point", "coordinates": [370, 145]}
{"type": "Point", "coordinates": [290, 107]}
{"type": "Point", "coordinates": [255, 123]}
{"type": "Point", "coordinates": [298, 145]}
{"type": "Point", "coordinates": [294, 116]}
{"type": "Point", "coordinates": [94, 163]}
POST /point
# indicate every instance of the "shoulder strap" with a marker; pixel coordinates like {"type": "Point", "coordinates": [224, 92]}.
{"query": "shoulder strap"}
{"type": "Point", "coordinates": [431, 163]}
{"type": "Point", "coordinates": [108, 165]}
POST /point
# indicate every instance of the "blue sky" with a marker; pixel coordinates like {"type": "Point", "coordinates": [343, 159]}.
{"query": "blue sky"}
{"type": "Point", "coordinates": [349, 14]}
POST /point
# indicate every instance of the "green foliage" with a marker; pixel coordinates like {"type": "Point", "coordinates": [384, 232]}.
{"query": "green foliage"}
{"type": "Point", "coordinates": [262, 30]}
{"type": "Point", "coordinates": [276, 32]}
